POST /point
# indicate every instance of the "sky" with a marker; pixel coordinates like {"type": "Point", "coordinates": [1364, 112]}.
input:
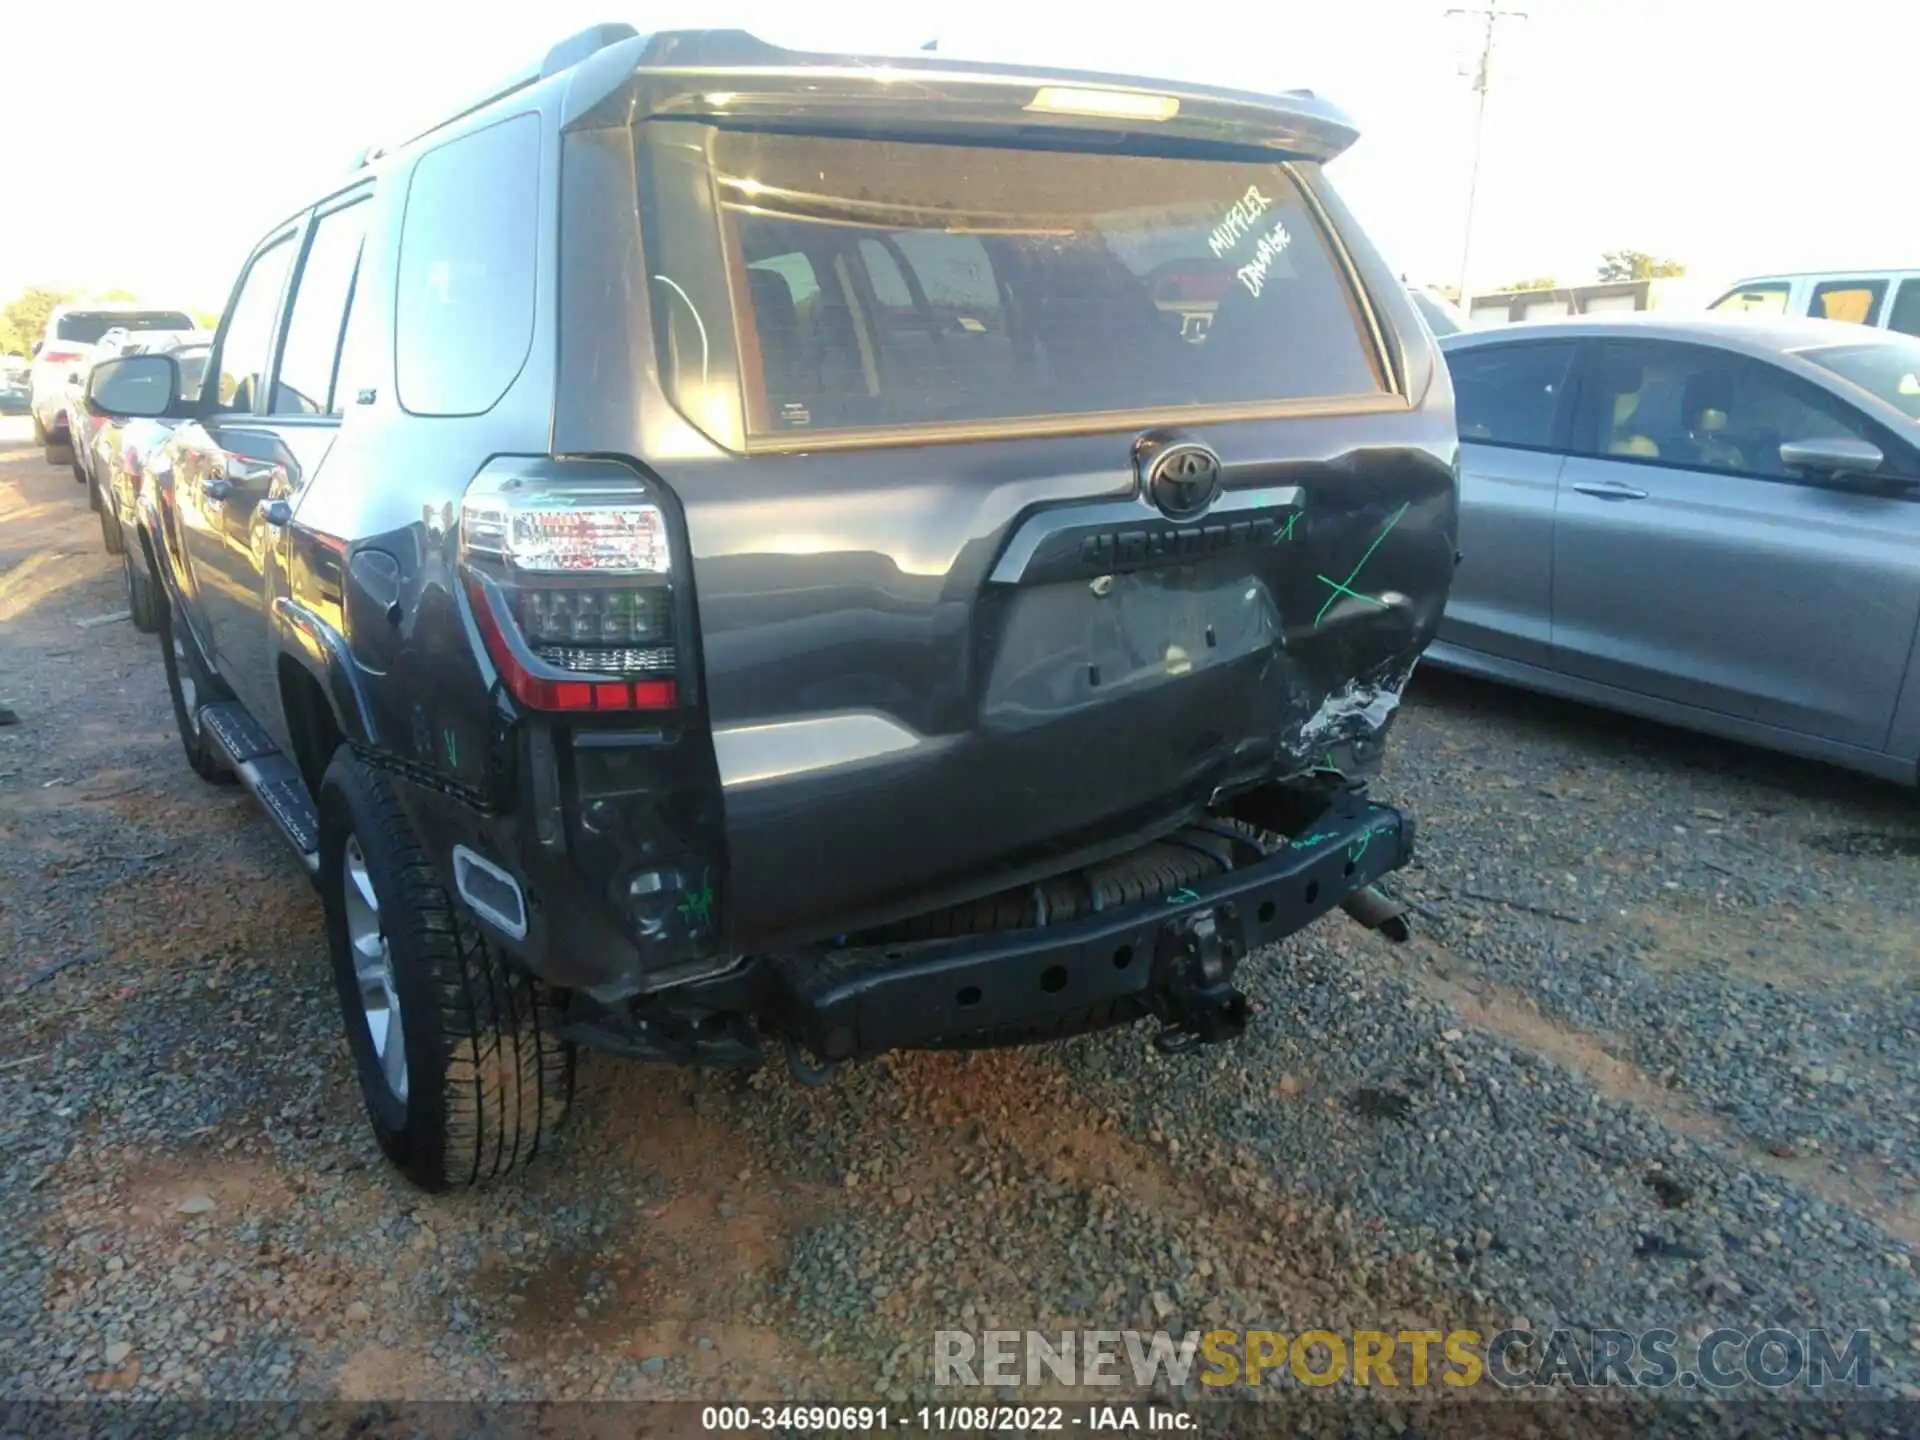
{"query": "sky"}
{"type": "Point", "coordinates": [1736, 138]}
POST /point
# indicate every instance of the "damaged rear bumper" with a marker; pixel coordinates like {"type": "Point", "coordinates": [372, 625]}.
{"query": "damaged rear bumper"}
{"type": "Point", "coordinates": [1176, 956]}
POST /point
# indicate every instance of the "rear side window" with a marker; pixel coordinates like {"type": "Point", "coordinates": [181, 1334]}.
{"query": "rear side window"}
{"type": "Point", "coordinates": [463, 310]}
{"type": "Point", "coordinates": [1855, 301]}
{"type": "Point", "coordinates": [1509, 394]}
{"type": "Point", "coordinates": [311, 352]}
{"type": "Point", "coordinates": [866, 284]}
{"type": "Point", "coordinates": [1769, 299]}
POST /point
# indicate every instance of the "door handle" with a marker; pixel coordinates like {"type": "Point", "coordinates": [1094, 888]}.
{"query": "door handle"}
{"type": "Point", "coordinates": [215, 487]}
{"type": "Point", "coordinates": [1611, 490]}
{"type": "Point", "coordinates": [276, 512]}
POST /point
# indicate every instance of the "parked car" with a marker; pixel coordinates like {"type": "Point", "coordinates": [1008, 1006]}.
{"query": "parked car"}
{"type": "Point", "coordinates": [83, 429]}
{"type": "Point", "coordinates": [1714, 522]}
{"type": "Point", "coordinates": [122, 451]}
{"type": "Point", "coordinates": [15, 398]}
{"type": "Point", "coordinates": [1443, 317]}
{"type": "Point", "coordinates": [1887, 298]}
{"type": "Point", "coordinates": [1041, 654]}
{"type": "Point", "coordinates": [63, 353]}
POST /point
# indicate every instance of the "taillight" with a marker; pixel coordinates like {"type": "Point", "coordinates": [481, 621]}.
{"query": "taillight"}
{"type": "Point", "coordinates": [55, 355]}
{"type": "Point", "coordinates": [569, 569]}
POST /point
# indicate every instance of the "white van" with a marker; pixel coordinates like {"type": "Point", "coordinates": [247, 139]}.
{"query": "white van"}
{"type": "Point", "coordinates": [1887, 298]}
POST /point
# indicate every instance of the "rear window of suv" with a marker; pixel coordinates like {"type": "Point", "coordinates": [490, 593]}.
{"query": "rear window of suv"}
{"type": "Point", "coordinates": [84, 327]}
{"type": "Point", "coordinates": [848, 285]}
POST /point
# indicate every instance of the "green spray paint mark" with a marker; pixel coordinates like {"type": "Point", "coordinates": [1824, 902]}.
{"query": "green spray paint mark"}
{"type": "Point", "coordinates": [452, 743]}
{"type": "Point", "coordinates": [1181, 896]}
{"type": "Point", "coordinates": [1306, 842]}
{"type": "Point", "coordinates": [1357, 848]}
{"type": "Point", "coordinates": [696, 906]}
{"type": "Point", "coordinates": [1345, 587]}
{"type": "Point", "coordinates": [1287, 534]}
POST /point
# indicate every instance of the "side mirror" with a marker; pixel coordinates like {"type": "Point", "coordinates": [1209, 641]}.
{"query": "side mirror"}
{"type": "Point", "coordinates": [1838, 460]}
{"type": "Point", "coordinates": [38, 346]}
{"type": "Point", "coordinates": [133, 387]}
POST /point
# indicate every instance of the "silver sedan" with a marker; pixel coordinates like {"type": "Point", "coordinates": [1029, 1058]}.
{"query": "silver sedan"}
{"type": "Point", "coordinates": [1712, 522]}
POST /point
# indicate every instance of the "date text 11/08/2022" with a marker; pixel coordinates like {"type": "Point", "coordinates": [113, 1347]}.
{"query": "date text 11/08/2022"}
{"type": "Point", "coordinates": [948, 1419]}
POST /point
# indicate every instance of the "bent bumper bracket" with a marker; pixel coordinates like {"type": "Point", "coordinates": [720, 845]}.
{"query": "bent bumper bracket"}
{"type": "Point", "coordinates": [1178, 955]}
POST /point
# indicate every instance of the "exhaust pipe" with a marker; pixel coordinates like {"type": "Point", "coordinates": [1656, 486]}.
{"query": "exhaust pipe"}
{"type": "Point", "coordinates": [1380, 913]}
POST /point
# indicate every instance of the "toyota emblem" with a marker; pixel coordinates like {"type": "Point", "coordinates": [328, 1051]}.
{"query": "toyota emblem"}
{"type": "Point", "coordinates": [1183, 480]}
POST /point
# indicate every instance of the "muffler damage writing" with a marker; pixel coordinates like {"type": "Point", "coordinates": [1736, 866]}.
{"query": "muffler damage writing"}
{"type": "Point", "coordinates": [1272, 245]}
{"type": "Point", "coordinates": [1239, 222]}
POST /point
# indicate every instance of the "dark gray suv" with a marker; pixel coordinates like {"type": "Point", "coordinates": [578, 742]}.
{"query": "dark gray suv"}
{"type": "Point", "coordinates": [714, 548]}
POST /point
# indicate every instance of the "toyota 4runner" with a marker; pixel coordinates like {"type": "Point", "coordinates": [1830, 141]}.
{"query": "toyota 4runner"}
{"type": "Point", "coordinates": [716, 548]}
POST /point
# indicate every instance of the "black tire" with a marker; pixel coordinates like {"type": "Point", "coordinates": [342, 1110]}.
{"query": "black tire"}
{"type": "Point", "coordinates": [80, 475]}
{"type": "Point", "coordinates": [486, 1083]}
{"type": "Point", "coordinates": [58, 452]}
{"type": "Point", "coordinates": [1152, 872]}
{"type": "Point", "coordinates": [110, 535]}
{"type": "Point", "coordinates": [143, 597]}
{"type": "Point", "coordinates": [191, 685]}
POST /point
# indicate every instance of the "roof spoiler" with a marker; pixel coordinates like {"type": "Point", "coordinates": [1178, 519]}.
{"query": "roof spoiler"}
{"type": "Point", "coordinates": [730, 74]}
{"type": "Point", "coordinates": [735, 75]}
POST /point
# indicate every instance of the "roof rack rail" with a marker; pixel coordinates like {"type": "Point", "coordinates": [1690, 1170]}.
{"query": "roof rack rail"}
{"type": "Point", "coordinates": [563, 56]}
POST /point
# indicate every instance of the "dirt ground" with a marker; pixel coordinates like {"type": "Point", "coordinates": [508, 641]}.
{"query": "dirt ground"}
{"type": "Point", "coordinates": [192, 1205]}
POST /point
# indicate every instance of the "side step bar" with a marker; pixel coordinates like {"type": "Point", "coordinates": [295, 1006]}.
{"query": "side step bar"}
{"type": "Point", "coordinates": [270, 777]}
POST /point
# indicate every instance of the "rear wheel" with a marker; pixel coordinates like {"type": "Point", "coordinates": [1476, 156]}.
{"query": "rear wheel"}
{"type": "Point", "coordinates": [191, 686]}
{"type": "Point", "coordinates": [110, 535]}
{"type": "Point", "coordinates": [1152, 872]}
{"type": "Point", "coordinates": [143, 599]}
{"type": "Point", "coordinates": [461, 1077]}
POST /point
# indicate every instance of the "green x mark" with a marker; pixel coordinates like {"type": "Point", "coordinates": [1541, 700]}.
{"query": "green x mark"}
{"type": "Point", "coordinates": [1345, 587]}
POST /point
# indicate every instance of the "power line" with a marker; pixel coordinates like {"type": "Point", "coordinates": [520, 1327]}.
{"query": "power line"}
{"type": "Point", "coordinates": [1492, 17]}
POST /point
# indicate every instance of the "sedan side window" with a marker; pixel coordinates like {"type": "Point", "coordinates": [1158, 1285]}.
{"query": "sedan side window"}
{"type": "Point", "coordinates": [247, 344]}
{"type": "Point", "coordinates": [1695, 408]}
{"type": "Point", "coordinates": [1509, 394]}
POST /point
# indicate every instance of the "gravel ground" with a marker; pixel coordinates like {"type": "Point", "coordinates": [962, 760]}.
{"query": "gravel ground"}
{"type": "Point", "coordinates": [1649, 1061]}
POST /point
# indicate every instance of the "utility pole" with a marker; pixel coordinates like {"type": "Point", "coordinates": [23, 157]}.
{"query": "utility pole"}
{"type": "Point", "coordinates": [1492, 17]}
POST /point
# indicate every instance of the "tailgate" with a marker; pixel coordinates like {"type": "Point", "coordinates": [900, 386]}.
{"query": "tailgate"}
{"type": "Point", "coordinates": [1048, 494]}
{"type": "Point", "coordinates": [976, 676]}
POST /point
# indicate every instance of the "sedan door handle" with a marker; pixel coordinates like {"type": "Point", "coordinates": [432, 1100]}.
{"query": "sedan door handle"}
{"type": "Point", "coordinates": [276, 512]}
{"type": "Point", "coordinates": [216, 488]}
{"type": "Point", "coordinates": [1610, 490]}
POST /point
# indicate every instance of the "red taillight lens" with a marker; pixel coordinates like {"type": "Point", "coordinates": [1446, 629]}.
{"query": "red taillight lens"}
{"type": "Point", "coordinates": [568, 568]}
{"type": "Point", "coordinates": [55, 355]}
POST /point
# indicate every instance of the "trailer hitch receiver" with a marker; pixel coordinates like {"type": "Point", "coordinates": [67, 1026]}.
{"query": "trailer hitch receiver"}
{"type": "Point", "coordinates": [1196, 995]}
